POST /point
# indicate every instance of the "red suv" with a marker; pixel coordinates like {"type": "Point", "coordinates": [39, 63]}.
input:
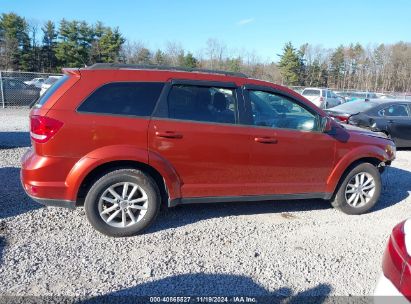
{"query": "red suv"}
{"type": "Point", "coordinates": [122, 139]}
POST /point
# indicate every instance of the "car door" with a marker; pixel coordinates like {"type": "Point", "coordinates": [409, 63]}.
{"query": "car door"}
{"type": "Point", "coordinates": [288, 154]}
{"type": "Point", "coordinates": [195, 129]}
{"type": "Point", "coordinates": [398, 119]}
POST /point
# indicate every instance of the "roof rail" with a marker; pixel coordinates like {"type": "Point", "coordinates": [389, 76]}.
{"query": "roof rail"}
{"type": "Point", "coordinates": [121, 66]}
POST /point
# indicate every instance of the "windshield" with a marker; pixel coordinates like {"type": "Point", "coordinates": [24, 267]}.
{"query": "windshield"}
{"type": "Point", "coordinates": [355, 106]}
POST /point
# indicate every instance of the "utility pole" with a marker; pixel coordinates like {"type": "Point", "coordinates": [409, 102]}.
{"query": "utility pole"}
{"type": "Point", "coordinates": [1, 89]}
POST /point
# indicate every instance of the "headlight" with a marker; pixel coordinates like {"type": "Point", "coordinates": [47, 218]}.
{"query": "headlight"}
{"type": "Point", "coordinates": [391, 150]}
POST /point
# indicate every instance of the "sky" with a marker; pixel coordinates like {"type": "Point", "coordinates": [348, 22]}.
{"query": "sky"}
{"type": "Point", "coordinates": [258, 26]}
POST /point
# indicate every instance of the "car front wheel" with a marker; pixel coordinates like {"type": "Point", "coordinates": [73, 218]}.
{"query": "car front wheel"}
{"type": "Point", "coordinates": [359, 191]}
{"type": "Point", "coordinates": [122, 203]}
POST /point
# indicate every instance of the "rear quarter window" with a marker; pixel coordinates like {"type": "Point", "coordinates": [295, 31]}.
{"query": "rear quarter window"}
{"type": "Point", "coordinates": [42, 100]}
{"type": "Point", "coordinates": [123, 98]}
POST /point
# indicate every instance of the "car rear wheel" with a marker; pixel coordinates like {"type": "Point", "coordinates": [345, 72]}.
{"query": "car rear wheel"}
{"type": "Point", "coordinates": [122, 203]}
{"type": "Point", "coordinates": [359, 191]}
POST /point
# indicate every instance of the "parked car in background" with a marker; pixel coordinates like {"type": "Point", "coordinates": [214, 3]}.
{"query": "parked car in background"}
{"type": "Point", "coordinates": [48, 83]}
{"type": "Point", "coordinates": [37, 82]}
{"type": "Point", "coordinates": [394, 284]}
{"type": "Point", "coordinates": [385, 96]}
{"type": "Point", "coordinates": [16, 92]}
{"type": "Point", "coordinates": [123, 139]}
{"type": "Point", "coordinates": [392, 117]}
{"type": "Point", "coordinates": [353, 96]}
{"type": "Point", "coordinates": [322, 98]}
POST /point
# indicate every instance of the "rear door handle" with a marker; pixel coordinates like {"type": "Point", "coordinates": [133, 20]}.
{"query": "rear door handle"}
{"type": "Point", "coordinates": [169, 134]}
{"type": "Point", "coordinates": [266, 140]}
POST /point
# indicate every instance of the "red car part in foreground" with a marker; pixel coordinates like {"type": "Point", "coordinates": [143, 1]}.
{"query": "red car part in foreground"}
{"type": "Point", "coordinates": [396, 278]}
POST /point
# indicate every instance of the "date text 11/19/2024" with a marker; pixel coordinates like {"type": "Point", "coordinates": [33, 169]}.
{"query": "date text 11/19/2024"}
{"type": "Point", "coordinates": [204, 299]}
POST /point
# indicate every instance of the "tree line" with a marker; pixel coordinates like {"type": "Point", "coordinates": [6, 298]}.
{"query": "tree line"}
{"type": "Point", "coordinates": [28, 46]}
{"type": "Point", "coordinates": [383, 67]}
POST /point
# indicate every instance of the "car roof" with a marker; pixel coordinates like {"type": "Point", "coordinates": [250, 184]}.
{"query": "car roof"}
{"type": "Point", "coordinates": [121, 66]}
{"type": "Point", "coordinates": [313, 88]}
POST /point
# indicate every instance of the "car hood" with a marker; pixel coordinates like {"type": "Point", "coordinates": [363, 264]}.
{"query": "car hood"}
{"type": "Point", "coordinates": [340, 112]}
{"type": "Point", "coordinates": [362, 131]}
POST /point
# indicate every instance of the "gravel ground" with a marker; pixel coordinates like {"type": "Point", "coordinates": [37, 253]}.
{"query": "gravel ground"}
{"type": "Point", "coordinates": [267, 248]}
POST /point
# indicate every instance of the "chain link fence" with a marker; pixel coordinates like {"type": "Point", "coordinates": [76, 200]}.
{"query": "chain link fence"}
{"type": "Point", "coordinates": [19, 89]}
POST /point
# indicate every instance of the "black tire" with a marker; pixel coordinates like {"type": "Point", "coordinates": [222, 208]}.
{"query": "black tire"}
{"type": "Point", "coordinates": [137, 177]}
{"type": "Point", "coordinates": [340, 201]}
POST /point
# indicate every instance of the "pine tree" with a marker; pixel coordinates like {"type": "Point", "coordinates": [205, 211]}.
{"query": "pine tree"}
{"type": "Point", "coordinates": [106, 44]}
{"type": "Point", "coordinates": [234, 65]}
{"type": "Point", "coordinates": [337, 66]}
{"type": "Point", "coordinates": [49, 45]}
{"type": "Point", "coordinates": [160, 58]}
{"type": "Point", "coordinates": [15, 42]}
{"type": "Point", "coordinates": [291, 65]}
{"type": "Point", "coordinates": [189, 61]}
{"type": "Point", "coordinates": [144, 56]}
{"type": "Point", "coordinates": [75, 40]}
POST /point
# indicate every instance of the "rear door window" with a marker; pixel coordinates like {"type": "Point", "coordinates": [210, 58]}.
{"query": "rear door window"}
{"type": "Point", "coordinates": [123, 98]}
{"type": "Point", "coordinates": [400, 110]}
{"type": "Point", "coordinates": [199, 103]}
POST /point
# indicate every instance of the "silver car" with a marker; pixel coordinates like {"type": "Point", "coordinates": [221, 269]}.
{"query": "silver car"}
{"type": "Point", "coordinates": [322, 98]}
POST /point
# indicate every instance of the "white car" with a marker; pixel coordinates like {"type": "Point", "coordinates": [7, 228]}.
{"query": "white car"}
{"type": "Point", "coordinates": [37, 82]}
{"type": "Point", "coordinates": [322, 98]}
{"type": "Point", "coordinates": [48, 83]}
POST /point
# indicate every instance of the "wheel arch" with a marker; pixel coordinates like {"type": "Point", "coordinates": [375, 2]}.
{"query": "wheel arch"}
{"type": "Point", "coordinates": [104, 168]}
{"type": "Point", "coordinates": [334, 181]}
{"type": "Point", "coordinates": [102, 160]}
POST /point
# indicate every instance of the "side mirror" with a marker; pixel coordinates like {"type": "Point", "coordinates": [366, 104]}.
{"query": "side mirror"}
{"type": "Point", "coordinates": [373, 125]}
{"type": "Point", "coordinates": [327, 125]}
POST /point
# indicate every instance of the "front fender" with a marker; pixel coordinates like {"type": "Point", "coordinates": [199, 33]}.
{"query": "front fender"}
{"type": "Point", "coordinates": [369, 151]}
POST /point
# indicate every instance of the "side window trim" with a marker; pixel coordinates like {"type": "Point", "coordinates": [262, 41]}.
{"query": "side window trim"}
{"type": "Point", "coordinates": [161, 109]}
{"type": "Point", "coordinates": [204, 83]}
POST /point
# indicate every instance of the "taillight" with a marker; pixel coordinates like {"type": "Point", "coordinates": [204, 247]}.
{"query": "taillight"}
{"type": "Point", "coordinates": [43, 128]}
{"type": "Point", "coordinates": [397, 258]}
{"type": "Point", "coordinates": [343, 118]}
{"type": "Point", "coordinates": [398, 237]}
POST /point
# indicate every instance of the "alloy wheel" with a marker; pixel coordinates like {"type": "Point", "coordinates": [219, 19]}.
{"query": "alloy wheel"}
{"type": "Point", "coordinates": [123, 204]}
{"type": "Point", "coordinates": [360, 189]}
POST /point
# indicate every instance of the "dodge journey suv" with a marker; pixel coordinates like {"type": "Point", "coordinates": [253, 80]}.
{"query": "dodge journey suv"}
{"type": "Point", "coordinates": [124, 139]}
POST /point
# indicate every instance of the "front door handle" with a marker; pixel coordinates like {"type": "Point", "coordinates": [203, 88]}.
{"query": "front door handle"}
{"type": "Point", "coordinates": [169, 134]}
{"type": "Point", "coordinates": [391, 121]}
{"type": "Point", "coordinates": [266, 140]}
